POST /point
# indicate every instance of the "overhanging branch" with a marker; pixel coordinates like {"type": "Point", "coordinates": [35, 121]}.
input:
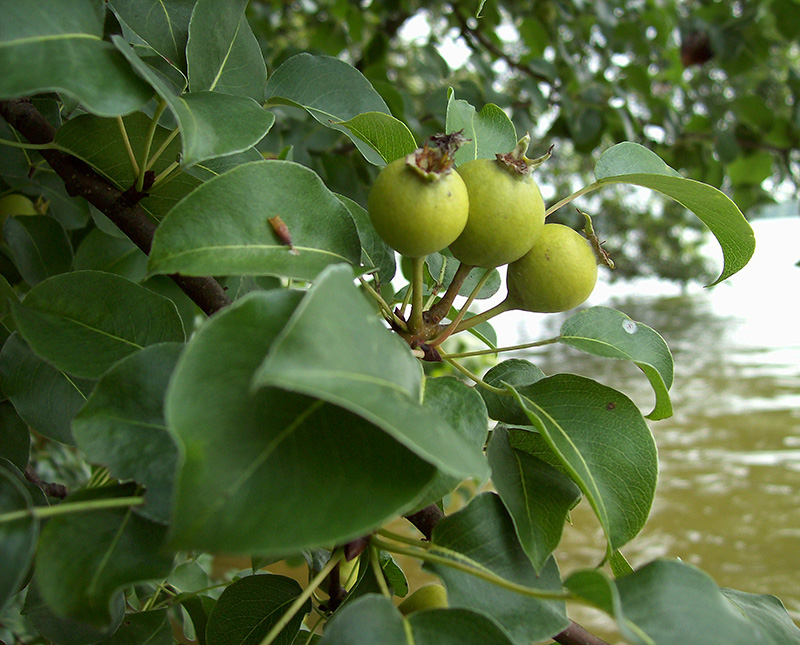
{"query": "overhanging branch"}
{"type": "Point", "coordinates": [82, 181]}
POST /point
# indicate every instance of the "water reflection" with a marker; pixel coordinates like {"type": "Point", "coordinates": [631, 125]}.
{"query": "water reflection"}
{"type": "Point", "coordinates": [729, 487]}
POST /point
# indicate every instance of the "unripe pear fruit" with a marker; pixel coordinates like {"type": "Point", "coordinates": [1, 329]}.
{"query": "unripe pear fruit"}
{"type": "Point", "coordinates": [16, 204]}
{"type": "Point", "coordinates": [557, 274]}
{"type": "Point", "coordinates": [348, 575]}
{"type": "Point", "coordinates": [432, 596]}
{"type": "Point", "coordinates": [419, 204]}
{"type": "Point", "coordinates": [506, 214]}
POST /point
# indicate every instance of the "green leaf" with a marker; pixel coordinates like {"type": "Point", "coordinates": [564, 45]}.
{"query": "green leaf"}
{"type": "Point", "coordinates": [122, 425]}
{"type": "Point", "coordinates": [99, 251]}
{"type": "Point", "coordinates": [223, 227]}
{"type": "Point", "coordinates": [516, 372]}
{"type": "Point", "coordinates": [82, 583]}
{"type": "Point", "coordinates": [45, 397]}
{"type": "Point", "coordinates": [223, 54]}
{"type": "Point", "coordinates": [39, 247]}
{"type": "Point", "coordinates": [374, 251]}
{"type": "Point", "coordinates": [767, 615]}
{"type": "Point", "coordinates": [83, 322]}
{"type": "Point", "coordinates": [483, 535]}
{"type": "Point", "coordinates": [330, 90]}
{"type": "Point", "coordinates": [143, 628]}
{"type": "Point", "coordinates": [489, 131]}
{"type": "Point", "coordinates": [455, 627]}
{"type": "Point", "coordinates": [370, 619]}
{"type": "Point", "coordinates": [388, 136]}
{"type": "Point", "coordinates": [249, 608]}
{"type": "Point", "coordinates": [15, 438]}
{"type": "Point", "coordinates": [164, 26]}
{"type": "Point", "coordinates": [17, 538]}
{"type": "Point", "coordinates": [212, 124]}
{"type": "Point", "coordinates": [53, 45]}
{"type": "Point", "coordinates": [461, 406]}
{"type": "Point", "coordinates": [66, 631]}
{"type": "Point", "coordinates": [99, 143]}
{"type": "Point", "coordinates": [594, 586]}
{"type": "Point", "coordinates": [673, 602]}
{"type": "Point", "coordinates": [378, 379]}
{"type": "Point", "coordinates": [252, 458]}
{"type": "Point", "coordinates": [611, 334]}
{"type": "Point", "coordinates": [631, 163]}
{"type": "Point", "coordinates": [537, 496]}
{"type": "Point", "coordinates": [600, 438]}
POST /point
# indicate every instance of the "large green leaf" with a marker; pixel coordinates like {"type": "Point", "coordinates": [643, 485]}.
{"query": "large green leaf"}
{"type": "Point", "coordinates": [57, 45]}
{"type": "Point", "coordinates": [600, 438]}
{"type": "Point", "coordinates": [370, 619]}
{"type": "Point", "coordinates": [17, 538]}
{"type": "Point", "coordinates": [609, 333]}
{"type": "Point", "coordinates": [122, 425]}
{"type": "Point", "coordinates": [355, 362]}
{"type": "Point", "coordinates": [164, 25]}
{"type": "Point", "coordinates": [489, 131]}
{"type": "Point", "coordinates": [224, 227]}
{"type": "Point", "coordinates": [81, 583]}
{"type": "Point", "coordinates": [330, 90]}
{"type": "Point", "coordinates": [99, 143]}
{"type": "Point", "coordinates": [767, 614]}
{"type": "Point", "coordinates": [249, 608]}
{"type": "Point", "coordinates": [223, 54]}
{"type": "Point", "coordinates": [483, 535]}
{"type": "Point", "coordinates": [631, 163]}
{"type": "Point", "coordinates": [252, 458]}
{"type": "Point", "coordinates": [45, 397]}
{"type": "Point", "coordinates": [388, 136]}
{"type": "Point", "coordinates": [537, 496]}
{"type": "Point", "coordinates": [83, 322]}
{"type": "Point", "coordinates": [212, 124]}
{"type": "Point", "coordinates": [455, 627]}
{"type": "Point", "coordinates": [676, 603]}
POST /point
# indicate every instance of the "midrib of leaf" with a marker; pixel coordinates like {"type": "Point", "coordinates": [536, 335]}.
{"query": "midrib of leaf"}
{"type": "Point", "coordinates": [600, 342]}
{"type": "Point", "coordinates": [234, 247]}
{"type": "Point", "coordinates": [256, 463]}
{"type": "Point", "coordinates": [266, 618]}
{"type": "Point", "coordinates": [169, 24]}
{"type": "Point", "coordinates": [356, 377]}
{"type": "Point", "coordinates": [38, 39]}
{"type": "Point", "coordinates": [524, 488]}
{"type": "Point", "coordinates": [97, 330]}
{"type": "Point", "coordinates": [133, 422]}
{"type": "Point", "coordinates": [592, 492]}
{"type": "Point", "coordinates": [72, 383]}
{"type": "Point", "coordinates": [107, 555]}
{"type": "Point", "coordinates": [225, 58]}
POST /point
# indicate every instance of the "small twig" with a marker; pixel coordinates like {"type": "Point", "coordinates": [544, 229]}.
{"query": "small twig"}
{"type": "Point", "coordinates": [51, 490]}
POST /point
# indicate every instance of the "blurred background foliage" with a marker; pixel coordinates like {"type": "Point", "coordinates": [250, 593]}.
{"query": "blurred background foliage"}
{"type": "Point", "coordinates": [712, 87]}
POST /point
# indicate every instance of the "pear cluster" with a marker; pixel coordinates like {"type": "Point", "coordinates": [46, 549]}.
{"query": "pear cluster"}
{"type": "Point", "coordinates": [490, 213]}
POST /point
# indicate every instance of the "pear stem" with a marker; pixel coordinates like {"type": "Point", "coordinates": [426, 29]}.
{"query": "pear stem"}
{"type": "Point", "coordinates": [477, 319]}
{"type": "Point", "coordinates": [415, 321]}
{"type": "Point", "coordinates": [442, 308]}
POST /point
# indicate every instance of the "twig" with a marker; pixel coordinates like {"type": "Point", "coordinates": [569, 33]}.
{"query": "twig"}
{"type": "Point", "coordinates": [81, 180]}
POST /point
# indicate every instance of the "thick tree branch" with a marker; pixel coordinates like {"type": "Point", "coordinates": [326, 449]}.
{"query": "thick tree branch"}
{"type": "Point", "coordinates": [425, 521]}
{"type": "Point", "coordinates": [81, 180]}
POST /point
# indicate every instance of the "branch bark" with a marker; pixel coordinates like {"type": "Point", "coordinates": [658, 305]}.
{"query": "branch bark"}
{"type": "Point", "coordinates": [81, 180]}
{"type": "Point", "coordinates": [427, 519]}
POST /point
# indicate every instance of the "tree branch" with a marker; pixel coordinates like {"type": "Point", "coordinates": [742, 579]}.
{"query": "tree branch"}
{"type": "Point", "coordinates": [120, 207]}
{"type": "Point", "coordinates": [427, 519]}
